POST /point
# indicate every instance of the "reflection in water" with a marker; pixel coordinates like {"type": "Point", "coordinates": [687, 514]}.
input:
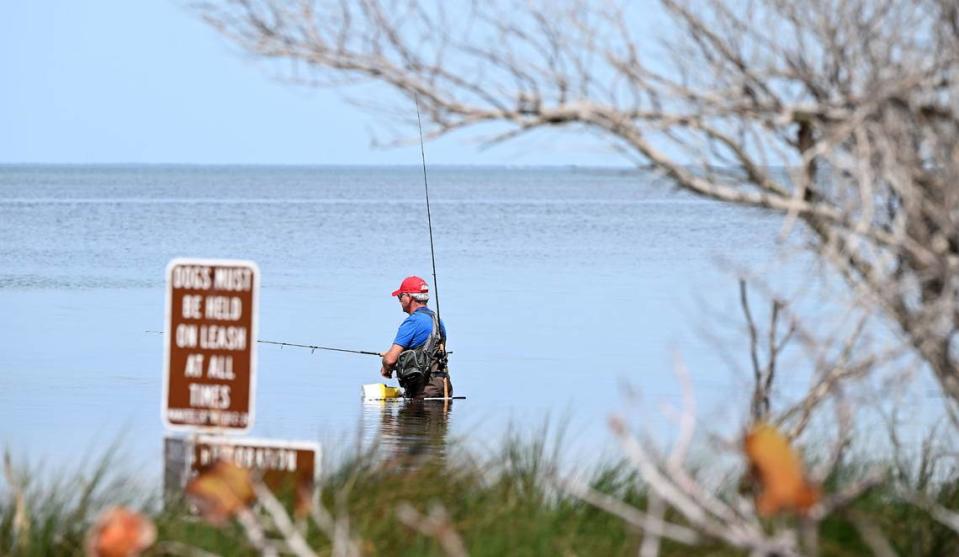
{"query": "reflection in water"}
{"type": "Point", "coordinates": [408, 431]}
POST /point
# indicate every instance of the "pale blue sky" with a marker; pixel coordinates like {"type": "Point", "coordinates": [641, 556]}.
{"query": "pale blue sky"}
{"type": "Point", "coordinates": [119, 81]}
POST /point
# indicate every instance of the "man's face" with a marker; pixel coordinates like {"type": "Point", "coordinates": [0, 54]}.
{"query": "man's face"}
{"type": "Point", "coordinates": [405, 300]}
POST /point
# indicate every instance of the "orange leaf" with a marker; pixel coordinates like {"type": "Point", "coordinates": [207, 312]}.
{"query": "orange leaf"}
{"type": "Point", "coordinates": [779, 471]}
{"type": "Point", "coordinates": [120, 532]}
{"type": "Point", "coordinates": [303, 503]}
{"type": "Point", "coordinates": [220, 491]}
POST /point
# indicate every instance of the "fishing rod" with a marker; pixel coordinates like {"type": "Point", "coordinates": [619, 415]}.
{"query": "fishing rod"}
{"type": "Point", "coordinates": [312, 347]}
{"type": "Point", "coordinates": [429, 220]}
{"type": "Point", "coordinates": [429, 223]}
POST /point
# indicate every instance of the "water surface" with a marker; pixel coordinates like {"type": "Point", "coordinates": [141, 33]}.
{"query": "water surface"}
{"type": "Point", "coordinates": [557, 285]}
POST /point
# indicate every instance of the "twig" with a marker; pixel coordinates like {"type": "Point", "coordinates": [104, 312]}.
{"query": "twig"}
{"type": "Point", "coordinates": [21, 518]}
{"type": "Point", "coordinates": [652, 540]}
{"type": "Point", "coordinates": [648, 523]}
{"type": "Point", "coordinates": [757, 408]}
{"type": "Point", "coordinates": [281, 519]}
{"type": "Point", "coordinates": [335, 529]}
{"type": "Point", "coordinates": [435, 525]}
{"type": "Point", "coordinates": [848, 494]}
{"type": "Point", "coordinates": [254, 533]}
{"type": "Point", "coordinates": [871, 535]}
{"type": "Point", "coordinates": [940, 514]}
{"type": "Point", "coordinates": [698, 507]}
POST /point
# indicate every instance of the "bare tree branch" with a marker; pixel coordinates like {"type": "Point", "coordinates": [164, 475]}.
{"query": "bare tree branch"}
{"type": "Point", "coordinates": [862, 98]}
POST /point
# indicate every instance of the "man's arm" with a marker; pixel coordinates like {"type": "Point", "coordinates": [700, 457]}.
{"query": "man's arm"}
{"type": "Point", "coordinates": [389, 360]}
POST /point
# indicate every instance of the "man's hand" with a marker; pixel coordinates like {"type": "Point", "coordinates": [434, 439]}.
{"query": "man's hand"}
{"type": "Point", "coordinates": [389, 360]}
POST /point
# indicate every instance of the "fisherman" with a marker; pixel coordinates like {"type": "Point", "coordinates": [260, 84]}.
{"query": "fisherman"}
{"type": "Point", "coordinates": [418, 353]}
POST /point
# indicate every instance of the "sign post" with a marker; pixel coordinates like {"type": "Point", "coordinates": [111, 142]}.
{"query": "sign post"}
{"type": "Point", "coordinates": [284, 466]}
{"type": "Point", "coordinates": [210, 344]}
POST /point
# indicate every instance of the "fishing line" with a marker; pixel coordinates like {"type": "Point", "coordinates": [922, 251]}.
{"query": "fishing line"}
{"type": "Point", "coordinates": [429, 220]}
{"type": "Point", "coordinates": [312, 347]}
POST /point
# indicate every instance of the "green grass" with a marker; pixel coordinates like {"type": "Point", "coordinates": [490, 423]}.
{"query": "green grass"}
{"type": "Point", "coordinates": [501, 504]}
{"type": "Point", "coordinates": [60, 512]}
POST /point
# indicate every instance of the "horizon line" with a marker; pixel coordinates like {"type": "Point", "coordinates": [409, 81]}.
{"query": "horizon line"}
{"type": "Point", "coordinates": [320, 165]}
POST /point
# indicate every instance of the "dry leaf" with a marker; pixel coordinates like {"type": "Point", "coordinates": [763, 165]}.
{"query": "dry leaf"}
{"type": "Point", "coordinates": [120, 532]}
{"type": "Point", "coordinates": [779, 471]}
{"type": "Point", "coordinates": [303, 503]}
{"type": "Point", "coordinates": [220, 491]}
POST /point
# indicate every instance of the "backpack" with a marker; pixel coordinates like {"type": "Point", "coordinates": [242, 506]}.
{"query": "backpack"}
{"type": "Point", "coordinates": [414, 366]}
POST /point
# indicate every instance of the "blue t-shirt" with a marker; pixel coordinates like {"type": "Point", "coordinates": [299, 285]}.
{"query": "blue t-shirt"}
{"type": "Point", "coordinates": [415, 330]}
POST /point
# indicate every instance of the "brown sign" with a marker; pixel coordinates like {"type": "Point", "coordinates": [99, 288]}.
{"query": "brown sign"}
{"type": "Point", "coordinates": [284, 466]}
{"type": "Point", "coordinates": [210, 336]}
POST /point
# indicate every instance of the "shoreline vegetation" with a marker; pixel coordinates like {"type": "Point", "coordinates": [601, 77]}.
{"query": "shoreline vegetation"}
{"type": "Point", "coordinates": [513, 501]}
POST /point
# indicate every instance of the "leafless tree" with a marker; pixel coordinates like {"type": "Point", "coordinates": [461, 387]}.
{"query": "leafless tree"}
{"type": "Point", "coordinates": [859, 95]}
{"type": "Point", "coordinates": [842, 116]}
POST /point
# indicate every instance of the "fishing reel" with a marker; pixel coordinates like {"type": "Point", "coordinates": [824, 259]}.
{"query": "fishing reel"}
{"type": "Point", "coordinates": [441, 358]}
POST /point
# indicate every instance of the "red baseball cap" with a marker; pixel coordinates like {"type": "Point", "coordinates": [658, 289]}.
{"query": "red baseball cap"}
{"type": "Point", "coordinates": [412, 285]}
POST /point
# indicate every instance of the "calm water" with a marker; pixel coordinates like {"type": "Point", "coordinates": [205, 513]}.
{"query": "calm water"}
{"type": "Point", "coordinates": [558, 287]}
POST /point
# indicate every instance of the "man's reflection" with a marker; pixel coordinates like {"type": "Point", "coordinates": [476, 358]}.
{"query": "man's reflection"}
{"type": "Point", "coordinates": [410, 431]}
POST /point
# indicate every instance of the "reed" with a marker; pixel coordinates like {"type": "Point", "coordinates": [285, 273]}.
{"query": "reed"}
{"type": "Point", "coordinates": [504, 503]}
